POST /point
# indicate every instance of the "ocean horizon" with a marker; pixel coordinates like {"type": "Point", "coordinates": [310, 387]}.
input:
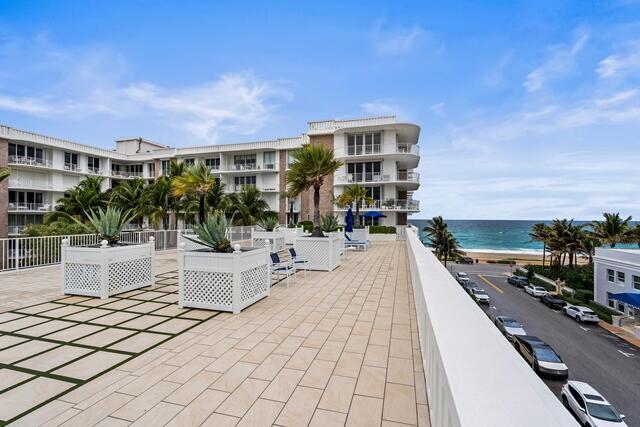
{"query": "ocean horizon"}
{"type": "Point", "coordinates": [495, 235]}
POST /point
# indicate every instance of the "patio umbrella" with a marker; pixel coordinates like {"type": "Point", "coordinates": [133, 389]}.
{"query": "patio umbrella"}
{"type": "Point", "coordinates": [348, 219]}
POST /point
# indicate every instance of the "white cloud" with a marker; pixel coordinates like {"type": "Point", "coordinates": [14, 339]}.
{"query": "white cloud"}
{"type": "Point", "coordinates": [84, 82]}
{"type": "Point", "coordinates": [438, 108]}
{"type": "Point", "coordinates": [398, 41]}
{"type": "Point", "coordinates": [559, 60]}
{"type": "Point", "coordinates": [620, 63]}
{"type": "Point", "coordinates": [383, 107]}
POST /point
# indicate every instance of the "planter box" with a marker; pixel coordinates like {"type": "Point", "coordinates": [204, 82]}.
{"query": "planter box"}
{"type": "Point", "coordinates": [290, 234]}
{"type": "Point", "coordinates": [382, 237]}
{"type": "Point", "coordinates": [226, 282]}
{"type": "Point", "coordinates": [276, 238]}
{"type": "Point", "coordinates": [105, 271]}
{"type": "Point", "coordinates": [323, 253]}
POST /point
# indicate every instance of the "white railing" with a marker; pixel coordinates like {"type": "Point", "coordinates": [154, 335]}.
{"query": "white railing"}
{"type": "Point", "coordinates": [244, 167]}
{"type": "Point", "coordinates": [123, 174]}
{"type": "Point", "coordinates": [390, 204]}
{"type": "Point", "coordinates": [41, 207]}
{"type": "Point", "coordinates": [474, 376]}
{"type": "Point", "coordinates": [332, 125]}
{"type": "Point", "coordinates": [408, 148]}
{"type": "Point", "coordinates": [378, 177]}
{"type": "Point", "coordinates": [30, 161]}
{"type": "Point", "coordinates": [29, 183]}
{"type": "Point", "coordinates": [72, 167]}
{"type": "Point", "coordinates": [363, 150]}
{"type": "Point", "coordinates": [93, 170]}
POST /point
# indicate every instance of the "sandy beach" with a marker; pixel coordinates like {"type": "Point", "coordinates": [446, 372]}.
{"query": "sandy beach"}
{"type": "Point", "coordinates": [520, 257]}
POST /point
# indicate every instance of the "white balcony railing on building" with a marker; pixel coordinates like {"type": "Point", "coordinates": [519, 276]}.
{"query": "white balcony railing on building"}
{"type": "Point", "coordinates": [27, 252]}
{"type": "Point", "coordinates": [30, 161]}
{"type": "Point", "coordinates": [474, 377]}
{"type": "Point", "coordinates": [332, 125]}
{"type": "Point", "coordinates": [72, 167]}
{"type": "Point", "coordinates": [408, 148]}
{"type": "Point", "coordinates": [377, 177]}
{"type": "Point", "coordinates": [364, 150]}
{"type": "Point", "coordinates": [244, 167]}
{"type": "Point", "coordinates": [29, 183]}
{"type": "Point", "coordinates": [20, 206]}
{"type": "Point", "coordinates": [360, 150]}
{"type": "Point", "coordinates": [93, 170]}
{"type": "Point", "coordinates": [124, 174]}
{"type": "Point", "coordinates": [389, 204]}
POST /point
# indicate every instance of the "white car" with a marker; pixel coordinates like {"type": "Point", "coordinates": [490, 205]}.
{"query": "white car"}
{"type": "Point", "coordinates": [589, 406]}
{"type": "Point", "coordinates": [480, 295]}
{"type": "Point", "coordinates": [581, 314]}
{"type": "Point", "coordinates": [535, 291]}
{"type": "Point", "coordinates": [509, 327]}
{"type": "Point", "coordinates": [462, 277]}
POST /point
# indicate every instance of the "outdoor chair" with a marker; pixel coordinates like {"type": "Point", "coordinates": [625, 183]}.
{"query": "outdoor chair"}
{"type": "Point", "coordinates": [280, 268]}
{"type": "Point", "coordinates": [356, 243]}
{"type": "Point", "coordinates": [299, 263]}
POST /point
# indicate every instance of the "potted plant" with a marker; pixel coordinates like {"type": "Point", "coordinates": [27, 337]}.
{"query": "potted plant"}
{"type": "Point", "coordinates": [111, 267]}
{"type": "Point", "coordinates": [215, 276]}
{"type": "Point", "coordinates": [330, 224]}
{"type": "Point", "coordinates": [268, 224]}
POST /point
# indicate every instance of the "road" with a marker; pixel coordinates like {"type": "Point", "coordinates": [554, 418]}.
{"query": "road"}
{"type": "Point", "coordinates": [593, 355]}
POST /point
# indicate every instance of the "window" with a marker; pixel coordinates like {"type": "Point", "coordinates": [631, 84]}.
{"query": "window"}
{"type": "Point", "coordinates": [364, 143]}
{"type": "Point", "coordinates": [620, 307]}
{"type": "Point", "coordinates": [241, 181]}
{"type": "Point", "coordinates": [244, 161]}
{"type": "Point", "coordinates": [611, 275]}
{"type": "Point", "coordinates": [152, 170]}
{"type": "Point", "coordinates": [269, 159]}
{"type": "Point", "coordinates": [189, 162]}
{"type": "Point", "coordinates": [71, 161]}
{"type": "Point", "coordinates": [610, 301]}
{"type": "Point", "coordinates": [93, 163]}
{"type": "Point", "coordinates": [621, 277]}
{"type": "Point", "coordinates": [31, 153]}
{"type": "Point", "coordinates": [577, 397]}
{"type": "Point", "coordinates": [213, 163]}
{"type": "Point", "coordinates": [364, 172]}
{"type": "Point", "coordinates": [636, 282]}
{"type": "Point", "coordinates": [165, 164]}
{"type": "Point", "coordinates": [290, 158]}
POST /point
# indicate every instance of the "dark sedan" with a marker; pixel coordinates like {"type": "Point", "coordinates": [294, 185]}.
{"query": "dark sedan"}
{"type": "Point", "coordinates": [553, 301]}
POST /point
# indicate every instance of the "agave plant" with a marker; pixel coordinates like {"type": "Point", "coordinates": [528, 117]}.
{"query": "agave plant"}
{"type": "Point", "coordinates": [330, 223]}
{"type": "Point", "coordinates": [108, 224]}
{"type": "Point", "coordinates": [269, 222]}
{"type": "Point", "coordinates": [213, 233]}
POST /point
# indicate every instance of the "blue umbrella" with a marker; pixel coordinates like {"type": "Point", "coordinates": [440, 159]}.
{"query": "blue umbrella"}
{"type": "Point", "coordinates": [348, 219]}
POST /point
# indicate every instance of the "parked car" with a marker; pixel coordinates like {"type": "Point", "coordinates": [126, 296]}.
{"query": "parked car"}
{"type": "Point", "coordinates": [481, 295]}
{"type": "Point", "coordinates": [542, 358]}
{"type": "Point", "coordinates": [535, 291]}
{"type": "Point", "coordinates": [469, 285]}
{"type": "Point", "coordinates": [462, 277]}
{"type": "Point", "coordinates": [589, 406]}
{"type": "Point", "coordinates": [465, 260]}
{"type": "Point", "coordinates": [581, 314]}
{"type": "Point", "coordinates": [553, 301]}
{"type": "Point", "coordinates": [518, 281]}
{"type": "Point", "coordinates": [509, 327]}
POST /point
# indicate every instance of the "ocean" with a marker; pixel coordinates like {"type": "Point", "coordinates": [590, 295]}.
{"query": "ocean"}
{"type": "Point", "coordinates": [494, 235]}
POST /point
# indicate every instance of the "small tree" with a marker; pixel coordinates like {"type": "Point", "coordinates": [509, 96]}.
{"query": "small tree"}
{"type": "Point", "coordinates": [354, 195]}
{"type": "Point", "coordinates": [108, 224]}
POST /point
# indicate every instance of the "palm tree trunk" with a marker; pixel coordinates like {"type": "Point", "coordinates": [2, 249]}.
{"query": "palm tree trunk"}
{"type": "Point", "coordinates": [201, 209]}
{"type": "Point", "coordinates": [544, 252]}
{"type": "Point", "coordinates": [357, 214]}
{"type": "Point", "coordinates": [317, 231]}
{"type": "Point", "coordinates": [290, 213]}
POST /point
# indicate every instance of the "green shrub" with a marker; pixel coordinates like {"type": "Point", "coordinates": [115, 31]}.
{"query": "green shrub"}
{"type": "Point", "coordinates": [382, 229]}
{"type": "Point", "coordinates": [506, 261]}
{"type": "Point", "coordinates": [329, 223]}
{"type": "Point", "coordinates": [583, 295]}
{"type": "Point", "coordinates": [580, 277]}
{"type": "Point", "coordinates": [56, 228]}
{"type": "Point", "coordinates": [307, 226]}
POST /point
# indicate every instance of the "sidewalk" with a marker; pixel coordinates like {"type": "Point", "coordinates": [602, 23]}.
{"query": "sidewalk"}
{"type": "Point", "coordinates": [620, 332]}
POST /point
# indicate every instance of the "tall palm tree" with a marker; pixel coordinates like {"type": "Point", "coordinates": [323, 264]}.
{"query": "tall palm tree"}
{"type": "Point", "coordinates": [440, 238]}
{"type": "Point", "coordinates": [613, 229]}
{"type": "Point", "coordinates": [354, 194]}
{"type": "Point", "coordinates": [197, 181]}
{"type": "Point", "coordinates": [175, 169]}
{"type": "Point", "coordinates": [541, 232]}
{"type": "Point", "coordinates": [4, 173]}
{"type": "Point", "coordinates": [450, 248]}
{"type": "Point", "coordinates": [248, 206]}
{"type": "Point", "coordinates": [158, 202]}
{"type": "Point", "coordinates": [312, 163]}
{"type": "Point", "coordinates": [82, 198]}
{"type": "Point", "coordinates": [127, 195]}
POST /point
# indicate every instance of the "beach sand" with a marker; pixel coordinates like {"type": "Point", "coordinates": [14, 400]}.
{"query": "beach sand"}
{"type": "Point", "coordinates": [521, 258]}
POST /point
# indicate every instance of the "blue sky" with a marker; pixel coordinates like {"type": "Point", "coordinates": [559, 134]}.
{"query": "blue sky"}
{"type": "Point", "coordinates": [529, 110]}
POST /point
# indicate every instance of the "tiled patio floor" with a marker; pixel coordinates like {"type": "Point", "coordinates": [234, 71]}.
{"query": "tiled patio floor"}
{"type": "Point", "coordinates": [337, 348]}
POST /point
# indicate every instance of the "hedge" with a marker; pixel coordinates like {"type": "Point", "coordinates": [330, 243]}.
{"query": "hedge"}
{"type": "Point", "coordinates": [580, 277]}
{"type": "Point", "coordinates": [382, 229]}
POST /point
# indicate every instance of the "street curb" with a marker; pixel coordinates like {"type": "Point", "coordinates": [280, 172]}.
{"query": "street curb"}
{"type": "Point", "coordinates": [621, 333]}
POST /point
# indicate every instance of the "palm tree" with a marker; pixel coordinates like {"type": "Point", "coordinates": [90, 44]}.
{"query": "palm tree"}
{"type": "Point", "coordinates": [82, 198]}
{"type": "Point", "coordinates": [158, 202]}
{"type": "Point", "coordinates": [354, 194]}
{"type": "Point", "coordinates": [440, 238]}
{"type": "Point", "coordinates": [312, 163]}
{"type": "Point", "coordinates": [197, 181]}
{"type": "Point", "coordinates": [248, 206]}
{"type": "Point", "coordinates": [290, 197]}
{"type": "Point", "coordinates": [4, 173]}
{"type": "Point", "coordinates": [541, 232]}
{"type": "Point", "coordinates": [613, 229]}
{"type": "Point", "coordinates": [127, 195]}
{"type": "Point", "coordinates": [450, 248]}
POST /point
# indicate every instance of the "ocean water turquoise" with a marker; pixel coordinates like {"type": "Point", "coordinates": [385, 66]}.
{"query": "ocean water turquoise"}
{"type": "Point", "coordinates": [494, 235]}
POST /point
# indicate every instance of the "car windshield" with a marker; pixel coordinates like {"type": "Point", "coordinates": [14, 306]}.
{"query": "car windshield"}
{"type": "Point", "coordinates": [538, 288]}
{"type": "Point", "coordinates": [546, 354]}
{"type": "Point", "coordinates": [471, 284]}
{"type": "Point", "coordinates": [586, 311]}
{"type": "Point", "coordinates": [603, 412]}
{"type": "Point", "coordinates": [511, 323]}
{"type": "Point", "coordinates": [462, 274]}
{"type": "Point", "coordinates": [479, 291]}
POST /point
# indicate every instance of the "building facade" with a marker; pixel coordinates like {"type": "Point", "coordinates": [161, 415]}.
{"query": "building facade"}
{"type": "Point", "coordinates": [616, 271]}
{"type": "Point", "coordinates": [378, 153]}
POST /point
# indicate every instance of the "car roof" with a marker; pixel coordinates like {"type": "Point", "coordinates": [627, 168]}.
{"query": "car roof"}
{"type": "Point", "coordinates": [585, 388]}
{"type": "Point", "coordinates": [533, 340]}
{"type": "Point", "coordinates": [581, 308]}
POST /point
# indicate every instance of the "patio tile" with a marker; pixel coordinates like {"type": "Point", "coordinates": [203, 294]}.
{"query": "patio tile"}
{"type": "Point", "coordinates": [114, 318]}
{"type": "Point", "coordinates": [39, 308]}
{"type": "Point", "coordinates": [73, 299]}
{"type": "Point", "coordinates": [46, 328]}
{"type": "Point", "coordinates": [146, 307]}
{"type": "Point", "coordinates": [400, 371]}
{"type": "Point", "coordinates": [138, 342]}
{"type": "Point", "coordinates": [64, 311]}
{"type": "Point", "coordinates": [87, 315]}
{"type": "Point", "coordinates": [160, 414]}
{"type": "Point", "coordinates": [199, 410]}
{"type": "Point", "coordinates": [188, 391]}
{"type": "Point", "coordinates": [234, 376]}
{"type": "Point", "coordinates": [376, 355]}
{"type": "Point", "coordinates": [91, 365]}
{"type": "Point", "coordinates": [270, 367]}
{"type": "Point", "coordinates": [400, 404]}
{"type": "Point", "coordinates": [105, 337]}
{"type": "Point", "coordinates": [322, 418]}
{"type": "Point", "coordinates": [9, 377]}
{"type": "Point", "coordinates": [337, 395]}
{"type": "Point", "coordinates": [300, 407]}
{"type": "Point", "coordinates": [137, 407]}
{"type": "Point", "coordinates": [365, 411]}
{"type": "Point", "coordinates": [24, 350]}
{"type": "Point", "coordinates": [302, 358]}
{"type": "Point", "coordinates": [283, 385]}
{"type": "Point", "coordinates": [220, 420]}
{"type": "Point", "coordinates": [174, 326]}
{"type": "Point", "coordinates": [8, 340]}
{"type": "Point", "coordinates": [74, 332]}
{"type": "Point", "coordinates": [171, 310]}
{"type": "Point", "coordinates": [148, 295]}
{"type": "Point", "coordinates": [99, 410]}
{"type": "Point", "coordinates": [262, 413]}
{"type": "Point", "coordinates": [96, 302]}
{"type": "Point", "coordinates": [143, 322]}
{"type": "Point", "coordinates": [371, 381]}
{"type": "Point", "coordinates": [121, 304]}
{"type": "Point", "coordinates": [54, 358]}
{"type": "Point", "coordinates": [6, 317]}
{"type": "Point", "coordinates": [23, 322]}
{"type": "Point", "coordinates": [30, 394]}
{"type": "Point", "coordinates": [242, 398]}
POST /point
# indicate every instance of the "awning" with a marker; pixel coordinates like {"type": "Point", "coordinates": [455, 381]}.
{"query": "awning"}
{"type": "Point", "coordinates": [630, 298]}
{"type": "Point", "coordinates": [374, 215]}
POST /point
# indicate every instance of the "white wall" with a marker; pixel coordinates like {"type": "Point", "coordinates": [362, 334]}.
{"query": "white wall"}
{"type": "Point", "coordinates": [626, 261]}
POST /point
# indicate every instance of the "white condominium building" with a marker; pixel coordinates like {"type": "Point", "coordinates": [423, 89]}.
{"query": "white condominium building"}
{"type": "Point", "coordinates": [378, 153]}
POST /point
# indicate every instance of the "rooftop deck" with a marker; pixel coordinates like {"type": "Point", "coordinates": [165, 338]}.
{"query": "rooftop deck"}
{"type": "Point", "coordinates": [332, 349]}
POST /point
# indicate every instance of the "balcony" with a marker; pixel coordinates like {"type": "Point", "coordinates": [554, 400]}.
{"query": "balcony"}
{"type": "Point", "coordinates": [123, 174]}
{"type": "Point", "coordinates": [72, 167]}
{"type": "Point", "coordinates": [29, 207]}
{"type": "Point", "coordinates": [29, 161]}
{"type": "Point", "coordinates": [93, 170]}
{"type": "Point", "coordinates": [264, 189]}
{"type": "Point", "coordinates": [29, 183]}
{"type": "Point", "coordinates": [249, 167]}
{"type": "Point", "coordinates": [408, 149]}
{"type": "Point", "coordinates": [388, 205]}
{"type": "Point", "coordinates": [352, 178]}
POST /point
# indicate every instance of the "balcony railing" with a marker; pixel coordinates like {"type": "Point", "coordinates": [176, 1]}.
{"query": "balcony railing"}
{"type": "Point", "coordinates": [29, 183]}
{"type": "Point", "coordinates": [72, 167]}
{"type": "Point", "coordinates": [408, 148]}
{"type": "Point", "coordinates": [269, 166]}
{"type": "Point", "coordinates": [123, 174]}
{"type": "Point", "coordinates": [390, 205]}
{"type": "Point", "coordinates": [93, 170]}
{"type": "Point", "coordinates": [364, 150]}
{"type": "Point", "coordinates": [244, 166]}
{"type": "Point", "coordinates": [20, 206]}
{"type": "Point", "coordinates": [30, 161]}
{"type": "Point", "coordinates": [377, 177]}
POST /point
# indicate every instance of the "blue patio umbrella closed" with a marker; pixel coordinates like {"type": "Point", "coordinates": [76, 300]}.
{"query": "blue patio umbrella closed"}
{"type": "Point", "coordinates": [348, 219]}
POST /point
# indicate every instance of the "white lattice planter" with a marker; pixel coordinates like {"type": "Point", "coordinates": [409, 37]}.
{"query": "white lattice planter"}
{"type": "Point", "coordinates": [290, 234]}
{"type": "Point", "coordinates": [226, 282]}
{"type": "Point", "coordinates": [382, 237]}
{"type": "Point", "coordinates": [323, 253]}
{"type": "Point", "coordinates": [359, 234]}
{"type": "Point", "coordinates": [105, 271]}
{"type": "Point", "coordinates": [277, 239]}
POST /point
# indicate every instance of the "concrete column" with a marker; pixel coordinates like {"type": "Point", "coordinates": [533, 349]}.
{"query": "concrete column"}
{"type": "Point", "coordinates": [282, 179]}
{"type": "Point", "coordinates": [4, 190]}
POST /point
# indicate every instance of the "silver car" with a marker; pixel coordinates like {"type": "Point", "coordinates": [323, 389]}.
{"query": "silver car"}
{"type": "Point", "coordinates": [509, 327]}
